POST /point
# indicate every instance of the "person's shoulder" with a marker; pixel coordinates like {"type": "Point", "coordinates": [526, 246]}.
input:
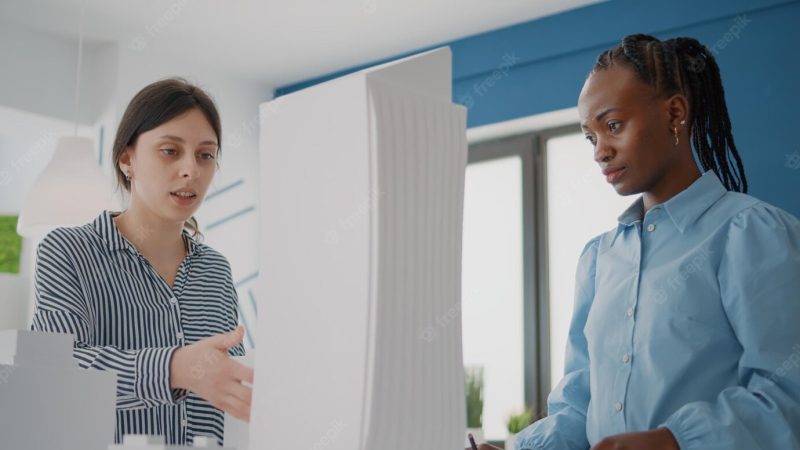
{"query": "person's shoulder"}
{"type": "Point", "coordinates": [594, 243]}
{"type": "Point", "coordinates": [211, 256]}
{"type": "Point", "coordinates": [748, 221]}
{"type": "Point", "coordinates": [67, 238]}
{"type": "Point", "coordinates": [588, 256]}
{"type": "Point", "coordinates": [600, 243]}
{"type": "Point", "coordinates": [746, 211]}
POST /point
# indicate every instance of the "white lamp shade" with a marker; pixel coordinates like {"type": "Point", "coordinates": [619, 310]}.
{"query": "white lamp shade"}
{"type": "Point", "coordinates": [71, 190]}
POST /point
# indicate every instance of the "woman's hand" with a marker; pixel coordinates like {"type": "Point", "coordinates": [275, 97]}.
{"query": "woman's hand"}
{"type": "Point", "coordinates": [659, 439]}
{"type": "Point", "coordinates": [206, 369]}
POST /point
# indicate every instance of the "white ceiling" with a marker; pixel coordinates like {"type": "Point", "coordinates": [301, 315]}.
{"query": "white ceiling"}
{"type": "Point", "coordinates": [277, 42]}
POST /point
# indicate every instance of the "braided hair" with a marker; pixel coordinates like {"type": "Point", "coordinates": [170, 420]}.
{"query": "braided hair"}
{"type": "Point", "coordinates": [685, 66]}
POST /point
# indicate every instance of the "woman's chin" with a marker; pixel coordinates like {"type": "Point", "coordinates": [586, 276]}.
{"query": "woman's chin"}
{"type": "Point", "coordinates": [177, 214]}
{"type": "Point", "coordinates": [625, 189]}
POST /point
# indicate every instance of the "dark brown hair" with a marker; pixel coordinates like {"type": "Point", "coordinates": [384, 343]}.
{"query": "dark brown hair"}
{"type": "Point", "coordinates": [684, 65]}
{"type": "Point", "coordinates": [155, 105]}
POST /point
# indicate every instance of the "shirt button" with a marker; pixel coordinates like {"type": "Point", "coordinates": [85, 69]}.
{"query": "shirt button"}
{"type": "Point", "coordinates": [618, 406]}
{"type": "Point", "coordinates": [183, 422]}
{"type": "Point", "coordinates": [625, 358]}
{"type": "Point", "coordinates": [173, 300]}
{"type": "Point", "coordinates": [179, 334]}
{"type": "Point", "coordinates": [630, 312]}
{"type": "Point", "coordinates": [651, 227]}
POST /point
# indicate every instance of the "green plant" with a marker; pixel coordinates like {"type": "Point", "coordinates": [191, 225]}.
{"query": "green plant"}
{"type": "Point", "coordinates": [518, 422]}
{"type": "Point", "coordinates": [473, 377]}
{"type": "Point", "coordinates": [10, 245]}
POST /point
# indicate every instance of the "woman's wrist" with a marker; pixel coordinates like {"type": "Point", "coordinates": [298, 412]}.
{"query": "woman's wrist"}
{"type": "Point", "coordinates": [668, 438]}
{"type": "Point", "coordinates": [176, 378]}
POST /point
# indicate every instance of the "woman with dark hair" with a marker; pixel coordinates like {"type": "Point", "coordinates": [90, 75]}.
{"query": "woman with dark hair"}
{"type": "Point", "coordinates": [139, 291]}
{"type": "Point", "coordinates": [685, 316]}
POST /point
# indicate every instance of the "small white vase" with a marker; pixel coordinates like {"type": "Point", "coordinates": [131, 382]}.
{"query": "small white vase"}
{"type": "Point", "coordinates": [477, 434]}
{"type": "Point", "coordinates": [511, 442]}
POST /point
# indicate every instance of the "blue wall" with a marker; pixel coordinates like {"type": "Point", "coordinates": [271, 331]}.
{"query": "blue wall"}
{"type": "Point", "coordinates": [540, 66]}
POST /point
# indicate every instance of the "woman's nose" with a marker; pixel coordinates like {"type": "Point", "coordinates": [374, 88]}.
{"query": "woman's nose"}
{"type": "Point", "coordinates": [603, 152]}
{"type": "Point", "coordinates": [188, 168]}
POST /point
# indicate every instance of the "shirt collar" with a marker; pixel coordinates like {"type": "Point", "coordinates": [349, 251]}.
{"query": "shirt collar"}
{"type": "Point", "coordinates": [633, 213]}
{"type": "Point", "coordinates": [105, 227]}
{"type": "Point", "coordinates": [684, 208]}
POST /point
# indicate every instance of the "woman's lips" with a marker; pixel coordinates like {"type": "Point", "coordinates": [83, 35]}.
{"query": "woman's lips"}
{"type": "Point", "coordinates": [614, 175]}
{"type": "Point", "coordinates": [183, 201]}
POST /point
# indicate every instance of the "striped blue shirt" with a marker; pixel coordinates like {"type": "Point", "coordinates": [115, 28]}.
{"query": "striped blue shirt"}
{"type": "Point", "coordinates": [685, 318]}
{"type": "Point", "coordinates": [91, 282]}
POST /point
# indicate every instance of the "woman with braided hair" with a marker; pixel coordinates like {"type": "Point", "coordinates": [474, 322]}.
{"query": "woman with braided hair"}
{"type": "Point", "coordinates": [684, 333]}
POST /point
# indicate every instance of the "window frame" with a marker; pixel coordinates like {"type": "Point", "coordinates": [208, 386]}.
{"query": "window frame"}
{"type": "Point", "coordinates": [531, 148]}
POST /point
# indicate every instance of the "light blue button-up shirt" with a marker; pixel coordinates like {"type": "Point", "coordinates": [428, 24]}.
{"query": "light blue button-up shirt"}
{"type": "Point", "coordinates": [686, 317]}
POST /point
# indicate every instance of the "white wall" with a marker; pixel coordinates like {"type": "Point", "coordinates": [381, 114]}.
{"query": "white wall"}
{"type": "Point", "coordinates": [39, 71]}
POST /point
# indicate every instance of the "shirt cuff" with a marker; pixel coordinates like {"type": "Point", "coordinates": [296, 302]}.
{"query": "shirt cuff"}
{"type": "Point", "coordinates": [688, 426]}
{"type": "Point", "coordinates": [152, 377]}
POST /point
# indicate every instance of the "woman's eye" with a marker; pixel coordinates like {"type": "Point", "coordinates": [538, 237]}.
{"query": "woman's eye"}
{"type": "Point", "coordinates": [207, 156]}
{"type": "Point", "coordinates": [613, 126]}
{"type": "Point", "coordinates": [590, 138]}
{"type": "Point", "coordinates": [168, 151]}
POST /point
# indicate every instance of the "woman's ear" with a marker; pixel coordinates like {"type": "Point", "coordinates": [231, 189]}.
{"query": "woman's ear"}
{"type": "Point", "coordinates": [678, 111]}
{"type": "Point", "coordinates": [125, 160]}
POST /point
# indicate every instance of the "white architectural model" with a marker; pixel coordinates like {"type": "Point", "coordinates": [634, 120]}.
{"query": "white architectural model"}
{"type": "Point", "coordinates": [362, 184]}
{"type": "Point", "coordinates": [47, 401]}
{"type": "Point", "coordinates": [237, 431]}
{"type": "Point", "coordinates": [143, 442]}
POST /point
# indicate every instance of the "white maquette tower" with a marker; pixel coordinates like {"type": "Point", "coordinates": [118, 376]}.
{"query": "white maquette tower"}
{"type": "Point", "coordinates": [359, 328]}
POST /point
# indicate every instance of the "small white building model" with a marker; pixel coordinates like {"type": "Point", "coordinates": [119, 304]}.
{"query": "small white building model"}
{"type": "Point", "coordinates": [143, 442]}
{"type": "Point", "coordinates": [47, 401]}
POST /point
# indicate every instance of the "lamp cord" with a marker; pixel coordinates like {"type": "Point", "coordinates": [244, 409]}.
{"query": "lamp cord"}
{"type": "Point", "coordinates": [78, 70]}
